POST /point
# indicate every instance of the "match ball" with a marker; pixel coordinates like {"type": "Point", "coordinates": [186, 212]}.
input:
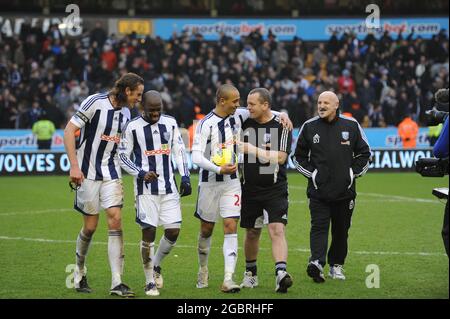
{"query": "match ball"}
{"type": "Point", "coordinates": [224, 156]}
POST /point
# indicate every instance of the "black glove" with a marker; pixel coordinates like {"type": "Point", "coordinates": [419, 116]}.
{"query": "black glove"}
{"type": "Point", "coordinates": [185, 187]}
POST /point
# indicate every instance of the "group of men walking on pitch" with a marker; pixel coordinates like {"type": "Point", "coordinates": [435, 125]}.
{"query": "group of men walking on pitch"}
{"type": "Point", "coordinates": [250, 185]}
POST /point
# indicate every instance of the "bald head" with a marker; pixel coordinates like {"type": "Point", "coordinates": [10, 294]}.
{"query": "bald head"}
{"type": "Point", "coordinates": [151, 97]}
{"type": "Point", "coordinates": [330, 95]}
{"type": "Point", "coordinates": [327, 105]}
{"type": "Point", "coordinates": [152, 104]}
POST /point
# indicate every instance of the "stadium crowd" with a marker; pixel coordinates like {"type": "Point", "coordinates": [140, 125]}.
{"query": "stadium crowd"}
{"type": "Point", "coordinates": [378, 81]}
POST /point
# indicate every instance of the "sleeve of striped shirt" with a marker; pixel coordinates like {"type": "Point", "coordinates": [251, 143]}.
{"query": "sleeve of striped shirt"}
{"type": "Point", "coordinates": [126, 146]}
{"type": "Point", "coordinates": [242, 114]}
{"type": "Point", "coordinates": [179, 152]}
{"type": "Point", "coordinates": [85, 112]}
{"type": "Point", "coordinates": [361, 152]}
{"type": "Point", "coordinates": [202, 133]}
{"type": "Point", "coordinates": [301, 155]}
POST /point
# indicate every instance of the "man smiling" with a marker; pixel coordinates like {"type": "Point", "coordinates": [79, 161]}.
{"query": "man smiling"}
{"type": "Point", "coordinates": [153, 138]}
{"type": "Point", "coordinates": [332, 150]}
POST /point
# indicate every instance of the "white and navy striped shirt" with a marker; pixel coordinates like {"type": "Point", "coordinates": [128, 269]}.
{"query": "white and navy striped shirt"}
{"type": "Point", "coordinates": [152, 146]}
{"type": "Point", "coordinates": [214, 133]}
{"type": "Point", "coordinates": [100, 126]}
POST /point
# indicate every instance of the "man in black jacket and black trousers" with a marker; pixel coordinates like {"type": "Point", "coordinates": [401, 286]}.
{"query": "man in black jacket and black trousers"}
{"type": "Point", "coordinates": [332, 150]}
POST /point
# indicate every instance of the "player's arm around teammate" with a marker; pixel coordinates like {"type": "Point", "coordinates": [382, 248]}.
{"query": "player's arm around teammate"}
{"type": "Point", "coordinates": [264, 187]}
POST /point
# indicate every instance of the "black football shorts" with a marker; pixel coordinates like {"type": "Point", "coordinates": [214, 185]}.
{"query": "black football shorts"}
{"type": "Point", "coordinates": [257, 210]}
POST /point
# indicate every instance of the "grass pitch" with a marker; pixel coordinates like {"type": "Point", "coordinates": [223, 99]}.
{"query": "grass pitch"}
{"type": "Point", "coordinates": [396, 225]}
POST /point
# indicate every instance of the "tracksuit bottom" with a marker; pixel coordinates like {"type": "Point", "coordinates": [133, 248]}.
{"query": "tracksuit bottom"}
{"type": "Point", "coordinates": [339, 213]}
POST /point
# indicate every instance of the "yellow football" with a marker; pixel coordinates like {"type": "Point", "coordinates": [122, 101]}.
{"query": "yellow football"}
{"type": "Point", "coordinates": [224, 156]}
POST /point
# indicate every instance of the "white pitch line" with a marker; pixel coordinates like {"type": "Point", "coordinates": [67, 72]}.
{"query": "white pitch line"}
{"type": "Point", "coordinates": [32, 212]}
{"type": "Point", "coordinates": [402, 198]}
{"type": "Point", "coordinates": [393, 199]}
{"type": "Point", "coordinates": [304, 250]}
{"type": "Point", "coordinates": [385, 197]}
{"type": "Point", "coordinates": [357, 201]}
{"type": "Point", "coordinates": [56, 210]}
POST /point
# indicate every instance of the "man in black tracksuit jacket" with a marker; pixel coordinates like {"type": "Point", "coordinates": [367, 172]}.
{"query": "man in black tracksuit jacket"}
{"type": "Point", "coordinates": [332, 150]}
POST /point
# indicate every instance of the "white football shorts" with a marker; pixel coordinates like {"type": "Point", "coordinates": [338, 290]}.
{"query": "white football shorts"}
{"type": "Point", "coordinates": [219, 200]}
{"type": "Point", "coordinates": [95, 194]}
{"type": "Point", "coordinates": [158, 210]}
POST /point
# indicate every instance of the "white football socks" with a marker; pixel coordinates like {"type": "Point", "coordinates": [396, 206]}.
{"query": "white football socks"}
{"type": "Point", "coordinates": [147, 252]}
{"type": "Point", "coordinates": [164, 248]}
{"type": "Point", "coordinates": [204, 245]}
{"type": "Point", "coordinates": [230, 245]}
{"type": "Point", "coordinates": [115, 255]}
{"type": "Point", "coordinates": [82, 249]}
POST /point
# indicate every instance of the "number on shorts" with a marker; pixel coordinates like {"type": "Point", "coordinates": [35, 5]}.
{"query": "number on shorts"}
{"type": "Point", "coordinates": [238, 199]}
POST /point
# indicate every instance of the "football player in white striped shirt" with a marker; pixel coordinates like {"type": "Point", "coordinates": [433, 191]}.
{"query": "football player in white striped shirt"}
{"type": "Point", "coordinates": [152, 138]}
{"type": "Point", "coordinates": [94, 168]}
{"type": "Point", "coordinates": [219, 190]}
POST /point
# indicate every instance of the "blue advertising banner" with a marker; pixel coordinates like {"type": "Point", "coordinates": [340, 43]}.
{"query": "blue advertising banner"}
{"type": "Point", "coordinates": [57, 163]}
{"type": "Point", "coordinates": [384, 138]}
{"type": "Point", "coordinates": [24, 141]}
{"type": "Point", "coordinates": [307, 29]}
{"type": "Point", "coordinates": [389, 138]}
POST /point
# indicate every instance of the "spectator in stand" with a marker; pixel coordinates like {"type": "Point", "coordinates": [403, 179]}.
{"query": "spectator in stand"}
{"type": "Point", "coordinates": [376, 115]}
{"type": "Point", "coordinates": [98, 35]}
{"type": "Point", "coordinates": [366, 94]}
{"type": "Point", "coordinates": [34, 65]}
{"type": "Point", "coordinates": [346, 83]}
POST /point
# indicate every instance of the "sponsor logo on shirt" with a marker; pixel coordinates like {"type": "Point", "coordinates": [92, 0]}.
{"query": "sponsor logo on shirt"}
{"type": "Point", "coordinates": [108, 138]}
{"type": "Point", "coordinates": [165, 150]}
{"type": "Point", "coordinates": [227, 143]}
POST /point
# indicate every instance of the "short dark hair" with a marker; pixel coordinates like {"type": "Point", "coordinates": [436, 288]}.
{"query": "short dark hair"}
{"type": "Point", "coordinates": [223, 91]}
{"type": "Point", "coordinates": [264, 95]}
{"type": "Point", "coordinates": [130, 80]}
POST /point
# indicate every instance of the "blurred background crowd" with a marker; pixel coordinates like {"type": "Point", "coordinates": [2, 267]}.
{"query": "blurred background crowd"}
{"type": "Point", "coordinates": [379, 81]}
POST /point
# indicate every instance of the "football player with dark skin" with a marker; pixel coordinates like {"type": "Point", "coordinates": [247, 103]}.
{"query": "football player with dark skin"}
{"type": "Point", "coordinates": [152, 109]}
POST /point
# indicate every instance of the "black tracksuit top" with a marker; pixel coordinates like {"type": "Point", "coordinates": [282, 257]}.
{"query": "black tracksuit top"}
{"type": "Point", "coordinates": [331, 155]}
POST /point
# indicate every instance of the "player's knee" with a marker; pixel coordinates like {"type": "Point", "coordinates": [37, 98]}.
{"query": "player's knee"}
{"type": "Point", "coordinates": [253, 233]}
{"type": "Point", "coordinates": [206, 230]}
{"type": "Point", "coordinates": [172, 234]}
{"type": "Point", "coordinates": [206, 233]}
{"type": "Point", "coordinates": [115, 222]}
{"type": "Point", "coordinates": [229, 226]}
{"type": "Point", "coordinates": [89, 230]}
{"type": "Point", "coordinates": [90, 225]}
{"type": "Point", "coordinates": [276, 230]}
{"type": "Point", "coordinates": [149, 234]}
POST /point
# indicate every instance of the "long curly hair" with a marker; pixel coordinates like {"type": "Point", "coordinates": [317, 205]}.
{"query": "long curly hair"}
{"type": "Point", "coordinates": [128, 80]}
